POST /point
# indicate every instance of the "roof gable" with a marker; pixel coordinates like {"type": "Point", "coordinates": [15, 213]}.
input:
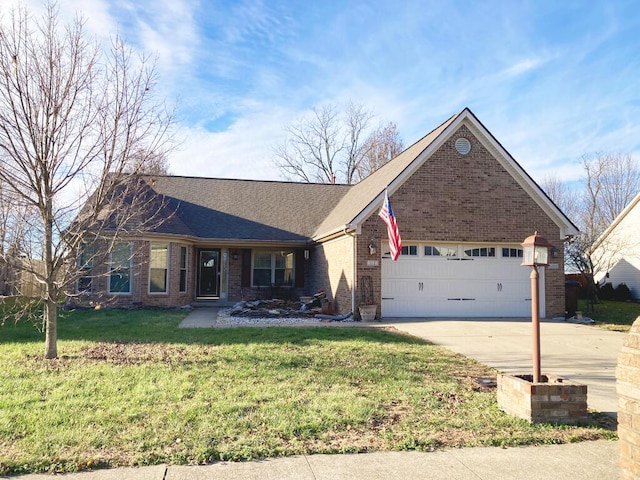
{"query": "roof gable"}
{"type": "Point", "coordinates": [367, 196]}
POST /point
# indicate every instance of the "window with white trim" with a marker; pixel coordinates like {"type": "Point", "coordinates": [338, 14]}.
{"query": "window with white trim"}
{"type": "Point", "coordinates": [158, 268]}
{"type": "Point", "coordinates": [120, 269]}
{"type": "Point", "coordinates": [183, 269]}
{"type": "Point", "coordinates": [273, 268]}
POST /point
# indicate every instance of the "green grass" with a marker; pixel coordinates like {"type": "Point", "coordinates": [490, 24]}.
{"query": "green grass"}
{"type": "Point", "coordinates": [130, 388]}
{"type": "Point", "coordinates": [611, 315]}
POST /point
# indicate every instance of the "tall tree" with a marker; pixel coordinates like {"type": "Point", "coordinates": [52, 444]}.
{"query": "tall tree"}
{"type": "Point", "coordinates": [72, 116]}
{"type": "Point", "coordinates": [609, 183]}
{"type": "Point", "coordinates": [332, 146]}
{"type": "Point", "coordinates": [148, 163]}
{"type": "Point", "coordinates": [382, 145]}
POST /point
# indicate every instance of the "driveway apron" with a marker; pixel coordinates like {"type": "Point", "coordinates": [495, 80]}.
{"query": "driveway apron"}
{"type": "Point", "coordinates": [580, 353]}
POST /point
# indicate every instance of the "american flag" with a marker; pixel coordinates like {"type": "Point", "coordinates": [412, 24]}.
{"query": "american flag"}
{"type": "Point", "coordinates": [386, 214]}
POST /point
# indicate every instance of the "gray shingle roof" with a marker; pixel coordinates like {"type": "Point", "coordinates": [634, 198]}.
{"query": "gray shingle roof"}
{"type": "Point", "coordinates": [225, 209]}
{"type": "Point", "coordinates": [252, 210]}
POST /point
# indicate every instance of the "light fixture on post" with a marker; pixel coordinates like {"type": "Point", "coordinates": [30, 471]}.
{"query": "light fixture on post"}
{"type": "Point", "coordinates": [372, 246]}
{"type": "Point", "coordinates": [535, 253]}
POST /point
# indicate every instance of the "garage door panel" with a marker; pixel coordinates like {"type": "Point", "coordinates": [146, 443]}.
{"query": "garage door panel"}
{"type": "Point", "coordinates": [445, 287]}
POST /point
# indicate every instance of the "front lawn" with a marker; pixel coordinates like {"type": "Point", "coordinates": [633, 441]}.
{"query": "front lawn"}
{"type": "Point", "coordinates": [611, 315]}
{"type": "Point", "coordinates": [130, 388]}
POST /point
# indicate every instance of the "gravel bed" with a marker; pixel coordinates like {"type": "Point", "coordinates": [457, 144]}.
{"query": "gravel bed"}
{"type": "Point", "coordinates": [225, 319]}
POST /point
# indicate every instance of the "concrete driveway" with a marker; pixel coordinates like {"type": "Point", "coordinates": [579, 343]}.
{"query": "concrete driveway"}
{"type": "Point", "coordinates": [581, 353]}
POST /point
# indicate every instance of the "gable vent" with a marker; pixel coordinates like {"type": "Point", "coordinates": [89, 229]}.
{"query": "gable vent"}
{"type": "Point", "coordinates": [463, 146]}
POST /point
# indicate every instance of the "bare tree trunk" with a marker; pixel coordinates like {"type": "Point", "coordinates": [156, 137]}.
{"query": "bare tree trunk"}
{"type": "Point", "coordinates": [51, 330]}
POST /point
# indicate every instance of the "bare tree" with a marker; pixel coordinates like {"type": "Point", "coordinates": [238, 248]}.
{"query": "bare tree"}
{"type": "Point", "coordinates": [615, 179]}
{"type": "Point", "coordinates": [330, 146]}
{"type": "Point", "coordinates": [152, 163]}
{"type": "Point", "coordinates": [381, 146]}
{"type": "Point", "coordinates": [72, 115]}
{"type": "Point", "coordinates": [560, 193]}
{"type": "Point", "coordinates": [610, 182]}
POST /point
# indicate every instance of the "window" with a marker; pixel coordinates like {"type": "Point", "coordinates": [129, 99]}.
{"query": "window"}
{"type": "Point", "coordinates": [120, 269]}
{"type": "Point", "coordinates": [85, 264]}
{"type": "Point", "coordinates": [512, 252]}
{"type": "Point", "coordinates": [272, 268]}
{"type": "Point", "coordinates": [480, 252]}
{"type": "Point", "coordinates": [411, 250]}
{"type": "Point", "coordinates": [158, 268]}
{"type": "Point", "coordinates": [183, 269]}
{"type": "Point", "coordinates": [440, 251]}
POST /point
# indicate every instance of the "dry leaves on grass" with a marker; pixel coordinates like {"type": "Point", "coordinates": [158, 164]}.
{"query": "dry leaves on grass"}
{"type": "Point", "coordinates": [130, 353]}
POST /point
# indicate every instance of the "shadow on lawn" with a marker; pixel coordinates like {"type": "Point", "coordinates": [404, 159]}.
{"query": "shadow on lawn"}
{"type": "Point", "coordinates": [161, 326]}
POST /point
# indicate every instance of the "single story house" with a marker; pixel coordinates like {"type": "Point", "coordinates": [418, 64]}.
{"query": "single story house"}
{"type": "Point", "coordinates": [616, 255]}
{"type": "Point", "coordinates": [462, 203]}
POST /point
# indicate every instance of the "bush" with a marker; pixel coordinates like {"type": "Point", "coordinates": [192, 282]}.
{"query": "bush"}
{"type": "Point", "coordinates": [622, 293]}
{"type": "Point", "coordinates": [606, 292]}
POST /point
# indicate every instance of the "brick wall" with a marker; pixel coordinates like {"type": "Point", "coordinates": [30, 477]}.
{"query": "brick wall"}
{"type": "Point", "coordinates": [553, 400]}
{"type": "Point", "coordinates": [628, 387]}
{"type": "Point", "coordinates": [336, 276]}
{"type": "Point", "coordinates": [139, 279]}
{"type": "Point", "coordinates": [173, 297]}
{"type": "Point", "coordinates": [466, 198]}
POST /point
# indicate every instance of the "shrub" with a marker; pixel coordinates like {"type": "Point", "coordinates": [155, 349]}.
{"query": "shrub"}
{"type": "Point", "coordinates": [606, 292]}
{"type": "Point", "coordinates": [622, 293]}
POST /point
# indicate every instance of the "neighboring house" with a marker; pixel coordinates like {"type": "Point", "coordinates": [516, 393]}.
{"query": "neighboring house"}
{"type": "Point", "coordinates": [616, 255]}
{"type": "Point", "coordinates": [462, 203]}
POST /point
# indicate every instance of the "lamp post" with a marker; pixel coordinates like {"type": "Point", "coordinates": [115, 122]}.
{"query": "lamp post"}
{"type": "Point", "coordinates": [535, 253]}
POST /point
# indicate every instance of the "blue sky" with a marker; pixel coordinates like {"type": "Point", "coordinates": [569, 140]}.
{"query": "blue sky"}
{"type": "Point", "coordinates": [552, 80]}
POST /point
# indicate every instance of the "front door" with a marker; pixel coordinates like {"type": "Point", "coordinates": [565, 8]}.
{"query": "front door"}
{"type": "Point", "coordinates": [208, 273]}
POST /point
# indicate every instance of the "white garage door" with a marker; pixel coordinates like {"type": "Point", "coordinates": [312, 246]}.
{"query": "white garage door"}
{"type": "Point", "coordinates": [437, 280]}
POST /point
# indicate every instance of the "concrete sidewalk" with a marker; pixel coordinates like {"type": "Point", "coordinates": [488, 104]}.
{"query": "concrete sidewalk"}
{"type": "Point", "coordinates": [200, 318]}
{"type": "Point", "coordinates": [597, 460]}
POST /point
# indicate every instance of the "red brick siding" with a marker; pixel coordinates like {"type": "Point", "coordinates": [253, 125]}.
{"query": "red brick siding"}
{"type": "Point", "coordinates": [140, 279]}
{"type": "Point", "coordinates": [628, 389]}
{"type": "Point", "coordinates": [466, 198]}
{"type": "Point", "coordinates": [331, 269]}
{"type": "Point", "coordinates": [235, 277]}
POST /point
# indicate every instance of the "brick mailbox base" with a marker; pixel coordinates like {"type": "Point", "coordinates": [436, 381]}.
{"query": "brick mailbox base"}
{"type": "Point", "coordinates": [553, 400]}
{"type": "Point", "coordinates": [628, 386]}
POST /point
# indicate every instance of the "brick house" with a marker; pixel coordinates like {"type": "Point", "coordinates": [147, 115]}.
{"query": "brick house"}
{"type": "Point", "coordinates": [463, 206]}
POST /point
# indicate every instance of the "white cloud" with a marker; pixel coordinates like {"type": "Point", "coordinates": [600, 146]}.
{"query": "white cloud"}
{"type": "Point", "coordinates": [243, 150]}
{"type": "Point", "coordinates": [521, 67]}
